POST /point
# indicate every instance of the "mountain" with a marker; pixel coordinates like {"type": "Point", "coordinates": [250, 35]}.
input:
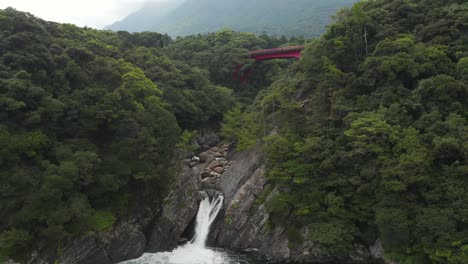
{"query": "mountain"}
{"type": "Point", "coordinates": [149, 15]}
{"type": "Point", "coordinates": [277, 17]}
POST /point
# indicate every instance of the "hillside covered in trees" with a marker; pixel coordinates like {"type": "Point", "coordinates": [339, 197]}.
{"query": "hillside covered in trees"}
{"type": "Point", "coordinates": [274, 17]}
{"type": "Point", "coordinates": [367, 136]}
{"type": "Point", "coordinates": [89, 121]}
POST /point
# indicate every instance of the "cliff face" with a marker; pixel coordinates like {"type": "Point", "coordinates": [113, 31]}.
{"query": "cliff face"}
{"type": "Point", "coordinates": [180, 207]}
{"type": "Point", "coordinates": [126, 241]}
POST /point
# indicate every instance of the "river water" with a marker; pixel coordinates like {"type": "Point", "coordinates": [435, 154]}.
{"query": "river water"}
{"type": "Point", "coordinates": [194, 255]}
{"type": "Point", "coordinates": [196, 252]}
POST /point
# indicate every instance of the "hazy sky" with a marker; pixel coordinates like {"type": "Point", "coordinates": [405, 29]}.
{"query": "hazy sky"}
{"type": "Point", "coordinates": [91, 13]}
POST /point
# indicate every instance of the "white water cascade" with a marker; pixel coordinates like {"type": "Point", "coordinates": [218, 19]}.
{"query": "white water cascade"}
{"type": "Point", "coordinates": [205, 217]}
{"type": "Point", "coordinates": [195, 251]}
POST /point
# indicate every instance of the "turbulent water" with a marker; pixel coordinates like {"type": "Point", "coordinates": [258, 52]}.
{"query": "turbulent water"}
{"type": "Point", "coordinates": [191, 254]}
{"type": "Point", "coordinates": [207, 213]}
{"type": "Point", "coordinates": [196, 252]}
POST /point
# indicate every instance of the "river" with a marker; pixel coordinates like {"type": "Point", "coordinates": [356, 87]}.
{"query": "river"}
{"type": "Point", "coordinates": [196, 252]}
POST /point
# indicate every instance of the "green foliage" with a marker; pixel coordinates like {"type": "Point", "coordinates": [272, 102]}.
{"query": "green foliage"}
{"type": "Point", "coordinates": [102, 220]}
{"type": "Point", "coordinates": [294, 237]}
{"type": "Point", "coordinates": [228, 220]}
{"type": "Point", "coordinates": [241, 127]}
{"type": "Point", "coordinates": [219, 54]}
{"type": "Point", "coordinates": [366, 137]}
{"type": "Point", "coordinates": [90, 119]}
{"type": "Point", "coordinates": [84, 132]}
{"type": "Point", "coordinates": [462, 68]}
{"type": "Point", "coordinates": [15, 242]}
{"type": "Point", "coordinates": [191, 96]}
{"type": "Point", "coordinates": [187, 140]}
{"type": "Point", "coordinates": [337, 235]}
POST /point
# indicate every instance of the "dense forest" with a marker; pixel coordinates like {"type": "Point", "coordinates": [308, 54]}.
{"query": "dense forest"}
{"type": "Point", "coordinates": [365, 137]}
{"type": "Point", "coordinates": [90, 120]}
{"type": "Point", "coordinates": [274, 17]}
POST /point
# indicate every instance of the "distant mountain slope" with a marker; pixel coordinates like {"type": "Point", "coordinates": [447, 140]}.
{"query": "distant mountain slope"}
{"type": "Point", "coordinates": [277, 17]}
{"type": "Point", "coordinates": [147, 17]}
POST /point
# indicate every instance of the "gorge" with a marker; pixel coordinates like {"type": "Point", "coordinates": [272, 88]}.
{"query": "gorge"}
{"type": "Point", "coordinates": [139, 148]}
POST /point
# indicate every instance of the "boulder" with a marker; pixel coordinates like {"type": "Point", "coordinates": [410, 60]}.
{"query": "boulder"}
{"type": "Point", "coordinates": [219, 170]}
{"type": "Point", "coordinates": [215, 174]}
{"type": "Point", "coordinates": [214, 164]}
{"type": "Point", "coordinates": [207, 156]}
{"type": "Point", "coordinates": [206, 174]}
{"type": "Point", "coordinates": [216, 149]}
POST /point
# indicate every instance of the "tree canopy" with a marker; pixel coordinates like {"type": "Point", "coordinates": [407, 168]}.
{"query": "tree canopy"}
{"type": "Point", "coordinates": [366, 137]}
{"type": "Point", "coordinates": [89, 120]}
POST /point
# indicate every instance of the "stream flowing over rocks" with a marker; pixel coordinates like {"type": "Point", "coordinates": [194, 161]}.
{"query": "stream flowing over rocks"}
{"type": "Point", "coordinates": [242, 223]}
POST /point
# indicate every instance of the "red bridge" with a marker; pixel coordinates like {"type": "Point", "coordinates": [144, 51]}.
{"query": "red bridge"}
{"type": "Point", "coordinates": [278, 53]}
{"type": "Point", "coordinates": [292, 52]}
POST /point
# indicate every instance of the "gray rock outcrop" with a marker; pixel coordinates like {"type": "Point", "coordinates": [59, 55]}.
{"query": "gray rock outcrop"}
{"type": "Point", "coordinates": [126, 241]}
{"type": "Point", "coordinates": [180, 207]}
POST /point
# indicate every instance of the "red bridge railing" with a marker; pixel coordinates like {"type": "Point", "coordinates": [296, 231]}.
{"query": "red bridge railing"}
{"type": "Point", "coordinates": [276, 50]}
{"type": "Point", "coordinates": [292, 52]}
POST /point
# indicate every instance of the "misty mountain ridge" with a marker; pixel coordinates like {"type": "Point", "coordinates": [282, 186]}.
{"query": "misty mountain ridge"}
{"type": "Point", "coordinates": [306, 18]}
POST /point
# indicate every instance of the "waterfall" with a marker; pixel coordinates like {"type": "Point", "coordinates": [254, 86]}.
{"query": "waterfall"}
{"type": "Point", "coordinates": [195, 251]}
{"type": "Point", "coordinates": [206, 215]}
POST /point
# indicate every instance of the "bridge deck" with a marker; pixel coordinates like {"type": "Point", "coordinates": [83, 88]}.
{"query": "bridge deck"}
{"type": "Point", "coordinates": [276, 50]}
{"type": "Point", "coordinates": [292, 52]}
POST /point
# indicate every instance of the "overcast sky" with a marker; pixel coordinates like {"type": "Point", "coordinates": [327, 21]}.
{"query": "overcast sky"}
{"type": "Point", "coordinates": [91, 13]}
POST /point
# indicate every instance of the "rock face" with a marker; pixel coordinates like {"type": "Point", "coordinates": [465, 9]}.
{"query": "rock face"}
{"type": "Point", "coordinates": [243, 165]}
{"type": "Point", "coordinates": [245, 220]}
{"type": "Point", "coordinates": [180, 207]}
{"type": "Point", "coordinates": [125, 242]}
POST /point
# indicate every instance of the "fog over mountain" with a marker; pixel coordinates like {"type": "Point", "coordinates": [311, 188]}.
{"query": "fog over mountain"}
{"type": "Point", "coordinates": [277, 17]}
